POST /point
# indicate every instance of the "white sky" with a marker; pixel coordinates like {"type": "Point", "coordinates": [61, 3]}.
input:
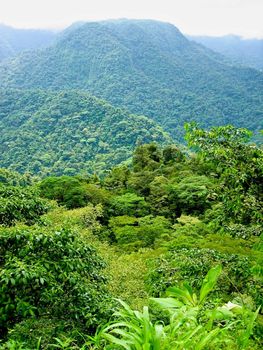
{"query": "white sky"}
{"type": "Point", "coordinates": [211, 17]}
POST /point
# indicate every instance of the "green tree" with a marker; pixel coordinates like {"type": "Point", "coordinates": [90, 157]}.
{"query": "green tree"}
{"type": "Point", "coordinates": [66, 190]}
{"type": "Point", "coordinates": [117, 178]}
{"type": "Point", "coordinates": [239, 166]}
{"type": "Point", "coordinates": [172, 154]}
{"type": "Point", "coordinates": [191, 195]}
{"type": "Point", "coordinates": [128, 204]}
{"type": "Point", "coordinates": [8, 177]}
{"type": "Point", "coordinates": [146, 157]}
{"type": "Point", "coordinates": [134, 233]}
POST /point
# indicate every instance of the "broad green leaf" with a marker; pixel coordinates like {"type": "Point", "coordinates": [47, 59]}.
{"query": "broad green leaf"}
{"type": "Point", "coordinates": [167, 303]}
{"type": "Point", "coordinates": [209, 282]}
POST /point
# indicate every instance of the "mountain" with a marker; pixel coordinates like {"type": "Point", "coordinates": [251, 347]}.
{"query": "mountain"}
{"type": "Point", "coordinates": [148, 67]}
{"type": "Point", "coordinates": [68, 132]}
{"type": "Point", "coordinates": [248, 52]}
{"type": "Point", "coordinates": [13, 41]}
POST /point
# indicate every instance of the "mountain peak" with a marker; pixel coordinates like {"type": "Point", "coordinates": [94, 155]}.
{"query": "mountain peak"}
{"type": "Point", "coordinates": [148, 67]}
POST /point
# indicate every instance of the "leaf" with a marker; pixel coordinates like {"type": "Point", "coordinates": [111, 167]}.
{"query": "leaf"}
{"type": "Point", "coordinates": [185, 293]}
{"type": "Point", "coordinates": [207, 338]}
{"type": "Point", "coordinates": [167, 303]}
{"type": "Point", "coordinates": [209, 282]}
{"type": "Point", "coordinates": [117, 341]}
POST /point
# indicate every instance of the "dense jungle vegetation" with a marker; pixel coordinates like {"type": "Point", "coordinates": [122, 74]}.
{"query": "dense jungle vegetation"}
{"type": "Point", "coordinates": [113, 236]}
{"type": "Point", "coordinates": [68, 132]}
{"type": "Point", "coordinates": [148, 67]}
{"type": "Point", "coordinates": [163, 253]}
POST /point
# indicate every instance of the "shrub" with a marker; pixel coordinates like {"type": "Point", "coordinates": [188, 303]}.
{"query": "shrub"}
{"type": "Point", "coordinates": [192, 264]}
{"type": "Point", "coordinates": [20, 204]}
{"type": "Point", "coordinates": [50, 272]}
{"type": "Point", "coordinates": [244, 231]}
{"type": "Point", "coordinates": [226, 327]}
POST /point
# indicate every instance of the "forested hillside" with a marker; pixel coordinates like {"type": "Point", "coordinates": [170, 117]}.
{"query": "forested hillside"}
{"type": "Point", "coordinates": [68, 132]}
{"type": "Point", "coordinates": [130, 192]}
{"type": "Point", "coordinates": [248, 52]}
{"type": "Point", "coordinates": [176, 237]}
{"type": "Point", "coordinates": [149, 67]}
{"type": "Point", "coordinates": [14, 41]}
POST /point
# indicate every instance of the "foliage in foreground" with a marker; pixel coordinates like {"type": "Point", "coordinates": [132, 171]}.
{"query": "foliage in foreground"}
{"type": "Point", "coordinates": [189, 326]}
{"type": "Point", "coordinates": [50, 273]}
{"type": "Point", "coordinates": [228, 327]}
{"type": "Point", "coordinates": [192, 264]}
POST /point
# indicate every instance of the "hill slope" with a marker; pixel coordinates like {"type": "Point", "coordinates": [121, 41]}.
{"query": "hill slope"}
{"type": "Point", "coordinates": [248, 52]}
{"type": "Point", "coordinates": [68, 132]}
{"type": "Point", "coordinates": [13, 41]}
{"type": "Point", "coordinates": [148, 67]}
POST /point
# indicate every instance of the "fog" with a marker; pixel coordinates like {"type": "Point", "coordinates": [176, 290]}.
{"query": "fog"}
{"type": "Point", "coordinates": [210, 17]}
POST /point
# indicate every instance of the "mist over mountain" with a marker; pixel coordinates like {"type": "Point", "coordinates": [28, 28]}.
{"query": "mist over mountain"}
{"type": "Point", "coordinates": [13, 40]}
{"type": "Point", "coordinates": [148, 67]}
{"type": "Point", "coordinates": [248, 52]}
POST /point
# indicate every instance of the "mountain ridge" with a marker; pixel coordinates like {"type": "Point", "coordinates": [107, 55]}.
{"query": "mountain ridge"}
{"type": "Point", "coordinates": [14, 41]}
{"type": "Point", "coordinates": [247, 52]}
{"type": "Point", "coordinates": [147, 67]}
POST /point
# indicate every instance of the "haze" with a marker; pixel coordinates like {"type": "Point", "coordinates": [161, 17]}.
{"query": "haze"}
{"type": "Point", "coordinates": [195, 17]}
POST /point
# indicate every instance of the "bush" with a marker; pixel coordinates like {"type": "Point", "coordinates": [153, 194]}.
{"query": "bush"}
{"type": "Point", "coordinates": [230, 326]}
{"type": "Point", "coordinates": [30, 330]}
{"type": "Point", "coordinates": [50, 272]}
{"type": "Point", "coordinates": [244, 231]}
{"type": "Point", "coordinates": [192, 264]}
{"type": "Point", "coordinates": [20, 204]}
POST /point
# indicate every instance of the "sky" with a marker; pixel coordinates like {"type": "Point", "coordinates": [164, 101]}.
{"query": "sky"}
{"type": "Point", "coordinates": [194, 17]}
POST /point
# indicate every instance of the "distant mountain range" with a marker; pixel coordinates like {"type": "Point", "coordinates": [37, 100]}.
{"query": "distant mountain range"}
{"type": "Point", "coordinates": [148, 67]}
{"type": "Point", "coordinates": [248, 52]}
{"type": "Point", "coordinates": [14, 41]}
